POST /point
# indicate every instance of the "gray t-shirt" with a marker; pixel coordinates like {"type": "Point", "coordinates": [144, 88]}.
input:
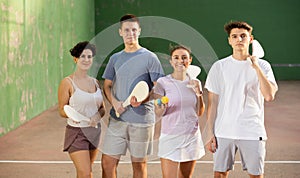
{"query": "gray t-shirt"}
{"type": "Point", "coordinates": [126, 70]}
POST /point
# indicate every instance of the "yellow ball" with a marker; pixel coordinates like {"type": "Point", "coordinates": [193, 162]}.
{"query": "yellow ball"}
{"type": "Point", "coordinates": [164, 100]}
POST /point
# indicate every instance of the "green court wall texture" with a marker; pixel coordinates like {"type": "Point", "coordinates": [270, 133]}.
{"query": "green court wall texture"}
{"type": "Point", "coordinates": [36, 36]}
{"type": "Point", "coordinates": [276, 25]}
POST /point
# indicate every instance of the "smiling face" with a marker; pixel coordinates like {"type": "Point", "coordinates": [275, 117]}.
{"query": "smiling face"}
{"type": "Point", "coordinates": [130, 32]}
{"type": "Point", "coordinates": [239, 39]}
{"type": "Point", "coordinates": [180, 60]}
{"type": "Point", "coordinates": [85, 60]}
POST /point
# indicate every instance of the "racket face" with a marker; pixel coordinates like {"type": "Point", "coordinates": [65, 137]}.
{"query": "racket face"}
{"type": "Point", "coordinates": [193, 71]}
{"type": "Point", "coordinates": [74, 115]}
{"type": "Point", "coordinates": [257, 49]}
{"type": "Point", "coordinates": [140, 91]}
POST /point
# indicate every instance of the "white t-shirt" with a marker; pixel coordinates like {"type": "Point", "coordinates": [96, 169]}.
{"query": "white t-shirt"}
{"type": "Point", "coordinates": [240, 112]}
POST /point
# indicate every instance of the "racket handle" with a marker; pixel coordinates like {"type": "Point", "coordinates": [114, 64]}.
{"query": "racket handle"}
{"type": "Point", "coordinates": [117, 114]}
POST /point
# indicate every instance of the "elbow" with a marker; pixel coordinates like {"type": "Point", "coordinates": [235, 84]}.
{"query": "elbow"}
{"type": "Point", "coordinates": [62, 113]}
{"type": "Point", "coordinates": [200, 113]}
{"type": "Point", "coordinates": [270, 97]}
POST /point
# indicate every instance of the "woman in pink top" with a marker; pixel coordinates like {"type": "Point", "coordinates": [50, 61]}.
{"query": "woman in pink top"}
{"type": "Point", "coordinates": [180, 143]}
{"type": "Point", "coordinates": [82, 92]}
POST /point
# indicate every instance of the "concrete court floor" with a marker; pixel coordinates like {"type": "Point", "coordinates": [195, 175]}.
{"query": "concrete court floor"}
{"type": "Point", "coordinates": [34, 150]}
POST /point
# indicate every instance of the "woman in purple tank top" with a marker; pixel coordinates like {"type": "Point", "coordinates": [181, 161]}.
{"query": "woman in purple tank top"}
{"type": "Point", "coordinates": [180, 143]}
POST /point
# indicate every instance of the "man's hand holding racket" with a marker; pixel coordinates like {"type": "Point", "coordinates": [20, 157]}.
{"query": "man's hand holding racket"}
{"type": "Point", "coordinates": [257, 52]}
{"type": "Point", "coordinates": [139, 93]}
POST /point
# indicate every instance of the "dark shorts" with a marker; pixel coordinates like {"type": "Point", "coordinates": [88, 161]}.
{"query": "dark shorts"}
{"type": "Point", "coordinates": [77, 138]}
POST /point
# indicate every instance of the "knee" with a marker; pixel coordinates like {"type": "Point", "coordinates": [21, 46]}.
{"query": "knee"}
{"type": "Point", "coordinates": [185, 174]}
{"type": "Point", "coordinates": [84, 173]}
{"type": "Point", "coordinates": [105, 164]}
{"type": "Point", "coordinates": [139, 165]}
{"type": "Point", "coordinates": [108, 164]}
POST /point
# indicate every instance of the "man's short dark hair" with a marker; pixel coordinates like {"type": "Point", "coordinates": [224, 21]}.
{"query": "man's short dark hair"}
{"type": "Point", "coordinates": [129, 18]}
{"type": "Point", "coordinates": [237, 24]}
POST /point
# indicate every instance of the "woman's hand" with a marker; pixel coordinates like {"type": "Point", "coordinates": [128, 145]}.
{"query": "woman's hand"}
{"type": "Point", "coordinates": [196, 86]}
{"type": "Point", "coordinates": [95, 119]}
{"type": "Point", "coordinates": [160, 109]}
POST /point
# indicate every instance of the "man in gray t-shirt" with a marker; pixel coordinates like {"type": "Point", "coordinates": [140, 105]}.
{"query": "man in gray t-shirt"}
{"type": "Point", "coordinates": [133, 129]}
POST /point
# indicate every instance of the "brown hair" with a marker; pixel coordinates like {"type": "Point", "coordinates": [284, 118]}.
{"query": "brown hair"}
{"type": "Point", "coordinates": [237, 24]}
{"type": "Point", "coordinates": [174, 48]}
{"type": "Point", "coordinates": [79, 47]}
{"type": "Point", "coordinates": [129, 18]}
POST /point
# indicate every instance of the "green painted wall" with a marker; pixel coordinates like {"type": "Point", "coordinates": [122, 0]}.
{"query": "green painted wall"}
{"type": "Point", "coordinates": [276, 25]}
{"type": "Point", "coordinates": [35, 36]}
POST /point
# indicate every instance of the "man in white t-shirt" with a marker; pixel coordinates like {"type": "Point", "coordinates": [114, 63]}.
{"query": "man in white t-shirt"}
{"type": "Point", "coordinates": [237, 87]}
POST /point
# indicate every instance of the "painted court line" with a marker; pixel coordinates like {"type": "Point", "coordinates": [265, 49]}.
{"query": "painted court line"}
{"type": "Point", "coordinates": [128, 162]}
